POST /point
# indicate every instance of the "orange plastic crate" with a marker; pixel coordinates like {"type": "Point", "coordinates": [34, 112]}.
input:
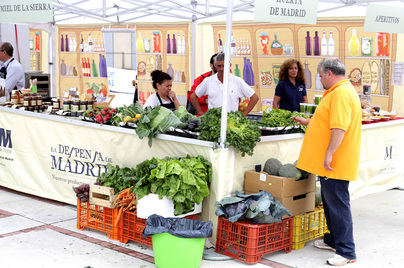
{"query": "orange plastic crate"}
{"type": "Point", "coordinates": [248, 242]}
{"type": "Point", "coordinates": [98, 218]}
{"type": "Point", "coordinates": [132, 228]}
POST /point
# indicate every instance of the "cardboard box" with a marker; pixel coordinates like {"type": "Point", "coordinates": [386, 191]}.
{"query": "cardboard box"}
{"type": "Point", "coordinates": [297, 196]}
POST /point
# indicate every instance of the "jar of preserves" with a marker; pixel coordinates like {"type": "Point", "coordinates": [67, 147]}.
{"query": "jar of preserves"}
{"type": "Point", "coordinates": [55, 104]}
{"type": "Point", "coordinates": [27, 101]}
{"type": "Point", "coordinates": [75, 105]}
{"type": "Point", "coordinates": [90, 105]}
{"type": "Point", "coordinates": [39, 100]}
{"type": "Point", "coordinates": [67, 105]}
{"type": "Point", "coordinates": [33, 100]}
{"type": "Point", "coordinates": [83, 106]}
{"type": "Point", "coordinates": [14, 98]}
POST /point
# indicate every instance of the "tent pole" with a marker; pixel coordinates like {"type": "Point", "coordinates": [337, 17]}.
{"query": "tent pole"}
{"type": "Point", "coordinates": [227, 60]}
{"type": "Point", "coordinates": [193, 49]}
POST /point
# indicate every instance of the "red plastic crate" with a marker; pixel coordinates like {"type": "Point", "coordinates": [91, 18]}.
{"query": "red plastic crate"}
{"type": "Point", "coordinates": [248, 242]}
{"type": "Point", "coordinates": [98, 218]}
{"type": "Point", "coordinates": [132, 228]}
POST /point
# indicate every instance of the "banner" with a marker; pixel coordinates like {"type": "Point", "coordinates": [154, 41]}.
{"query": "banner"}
{"type": "Point", "coordinates": [120, 85]}
{"type": "Point", "coordinates": [290, 11]}
{"type": "Point", "coordinates": [26, 11]}
{"type": "Point", "coordinates": [386, 19]}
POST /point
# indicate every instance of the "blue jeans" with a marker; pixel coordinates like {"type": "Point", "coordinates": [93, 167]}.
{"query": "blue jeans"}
{"type": "Point", "coordinates": [337, 211]}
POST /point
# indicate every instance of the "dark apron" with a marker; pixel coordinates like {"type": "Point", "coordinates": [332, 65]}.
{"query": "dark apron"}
{"type": "Point", "coordinates": [170, 106]}
{"type": "Point", "coordinates": [3, 73]}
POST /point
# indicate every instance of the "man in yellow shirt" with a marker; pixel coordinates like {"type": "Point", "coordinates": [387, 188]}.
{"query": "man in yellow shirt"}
{"type": "Point", "coordinates": [331, 149]}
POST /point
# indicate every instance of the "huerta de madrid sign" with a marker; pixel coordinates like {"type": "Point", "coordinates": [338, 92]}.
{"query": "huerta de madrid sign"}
{"type": "Point", "coordinates": [286, 11]}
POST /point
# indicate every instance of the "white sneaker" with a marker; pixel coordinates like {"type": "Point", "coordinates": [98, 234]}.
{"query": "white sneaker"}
{"type": "Point", "coordinates": [338, 260]}
{"type": "Point", "coordinates": [320, 244]}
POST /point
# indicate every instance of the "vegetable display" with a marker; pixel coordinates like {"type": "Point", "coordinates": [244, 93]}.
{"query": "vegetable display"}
{"type": "Point", "coordinates": [280, 118]}
{"type": "Point", "coordinates": [242, 133]}
{"type": "Point", "coordinates": [117, 178]}
{"type": "Point", "coordinates": [125, 114]}
{"type": "Point", "coordinates": [154, 121]}
{"type": "Point", "coordinates": [183, 180]}
{"type": "Point", "coordinates": [101, 115]}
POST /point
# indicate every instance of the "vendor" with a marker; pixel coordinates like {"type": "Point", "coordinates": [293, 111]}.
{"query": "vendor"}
{"type": "Point", "coordinates": [213, 87]}
{"type": "Point", "coordinates": [291, 89]}
{"type": "Point", "coordinates": [164, 96]}
{"type": "Point", "coordinates": [11, 70]}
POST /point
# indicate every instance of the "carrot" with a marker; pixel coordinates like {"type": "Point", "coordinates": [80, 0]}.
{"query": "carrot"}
{"type": "Point", "coordinates": [118, 217]}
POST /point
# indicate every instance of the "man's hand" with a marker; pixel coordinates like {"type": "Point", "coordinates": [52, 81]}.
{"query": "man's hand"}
{"type": "Point", "coordinates": [301, 120]}
{"type": "Point", "coordinates": [327, 161]}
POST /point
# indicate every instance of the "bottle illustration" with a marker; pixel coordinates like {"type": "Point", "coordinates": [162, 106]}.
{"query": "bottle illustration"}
{"type": "Point", "coordinates": [251, 73]}
{"type": "Point", "coordinates": [63, 68]}
{"type": "Point", "coordinates": [74, 44]}
{"type": "Point", "coordinates": [233, 45]}
{"type": "Point", "coordinates": [90, 43]}
{"type": "Point", "coordinates": [183, 44]}
{"type": "Point", "coordinates": [264, 40]}
{"type": "Point", "coordinates": [308, 44]}
{"type": "Point", "coordinates": [316, 44]}
{"type": "Point", "coordinates": [156, 42]}
{"type": "Point", "coordinates": [179, 45]}
{"type": "Point", "coordinates": [67, 44]}
{"type": "Point", "coordinates": [82, 43]}
{"type": "Point", "coordinates": [307, 75]}
{"type": "Point", "coordinates": [94, 69]}
{"type": "Point", "coordinates": [147, 45]}
{"type": "Point", "coordinates": [174, 45]}
{"type": "Point", "coordinates": [354, 44]}
{"type": "Point", "coordinates": [168, 44]}
{"type": "Point", "coordinates": [383, 44]}
{"type": "Point", "coordinates": [183, 79]}
{"type": "Point", "coordinates": [139, 43]}
{"type": "Point", "coordinates": [324, 45]}
{"type": "Point", "coordinates": [237, 71]}
{"type": "Point", "coordinates": [37, 41]}
{"type": "Point", "coordinates": [62, 43]}
{"type": "Point", "coordinates": [220, 45]}
{"type": "Point", "coordinates": [170, 70]}
{"type": "Point", "coordinates": [245, 71]}
{"type": "Point", "coordinates": [276, 47]}
{"type": "Point", "coordinates": [331, 45]}
{"type": "Point", "coordinates": [319, 86]}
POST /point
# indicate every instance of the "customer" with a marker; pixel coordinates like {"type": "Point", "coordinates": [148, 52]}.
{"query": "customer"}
{"type": "Point", "coordinates": [11, 70]}
{"type": "Point", "coordinates": [203, 101]}
{"type": "Point", "coordinates": [164, 96]}
{"type": "Point", "coordinates": [213, 87]}
{"type": "Point", "coordinates": [330, 149]}
{"type": "Point", "coordinates": [291, 89]}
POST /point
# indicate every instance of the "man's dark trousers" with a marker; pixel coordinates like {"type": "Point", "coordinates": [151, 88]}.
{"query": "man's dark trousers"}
{"type": "Point", "coordinates": [337, 211]}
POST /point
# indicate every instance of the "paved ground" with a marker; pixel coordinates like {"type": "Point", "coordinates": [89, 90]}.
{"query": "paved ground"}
{"type": "Point", "coordinates": [35, 232]}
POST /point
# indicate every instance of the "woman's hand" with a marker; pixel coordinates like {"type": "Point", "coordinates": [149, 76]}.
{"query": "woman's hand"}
{"type": "Point", "coordinates": [301, 120]}
{"type": "Point", "coordinates": [172, 94]}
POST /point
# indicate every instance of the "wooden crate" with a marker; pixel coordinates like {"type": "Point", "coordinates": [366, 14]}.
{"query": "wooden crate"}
{"type": "Point", "coordinates": [102, 196]}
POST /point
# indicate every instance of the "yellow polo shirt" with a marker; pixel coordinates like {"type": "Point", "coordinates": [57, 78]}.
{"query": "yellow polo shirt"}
{"type": "Point", "coordinates": [339, 108]}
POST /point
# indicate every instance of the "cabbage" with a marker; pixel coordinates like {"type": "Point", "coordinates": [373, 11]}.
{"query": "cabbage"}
{"type": "Point", "coordinates": [154, 121]}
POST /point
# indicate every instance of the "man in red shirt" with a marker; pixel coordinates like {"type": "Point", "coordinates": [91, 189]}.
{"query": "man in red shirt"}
{"type": "Point", "coordinates": [203, 101]}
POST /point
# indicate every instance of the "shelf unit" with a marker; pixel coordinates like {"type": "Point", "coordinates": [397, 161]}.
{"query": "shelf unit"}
{"type": "Point", "coordinates": [148, 60]}
{"type": "Point", "coordinates": [74, 59]}
{"type": "Point", "coordinates": [294, 35]}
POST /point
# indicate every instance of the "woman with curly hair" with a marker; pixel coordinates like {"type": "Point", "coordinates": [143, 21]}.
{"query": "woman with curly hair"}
{"type": "Point", "coordinates": [291, 89]}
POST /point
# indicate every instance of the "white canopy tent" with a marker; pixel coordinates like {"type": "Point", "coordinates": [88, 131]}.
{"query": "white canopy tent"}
{"type": "Point", "coordinates": [125, 11]}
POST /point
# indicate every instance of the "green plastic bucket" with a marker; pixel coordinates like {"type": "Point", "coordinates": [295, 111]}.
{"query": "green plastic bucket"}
{"type": "Point", "coordinates": [177, 252]}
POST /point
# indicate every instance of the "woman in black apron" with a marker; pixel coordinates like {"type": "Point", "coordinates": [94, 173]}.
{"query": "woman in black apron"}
{"type": "Point", "coordinates": [164, 96]}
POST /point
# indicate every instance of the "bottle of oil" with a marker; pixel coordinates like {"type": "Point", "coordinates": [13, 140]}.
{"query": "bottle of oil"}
{"type": "Point", "coordinates": [354, 44]}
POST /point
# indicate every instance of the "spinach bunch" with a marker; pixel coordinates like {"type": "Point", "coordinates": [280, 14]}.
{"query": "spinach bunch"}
{"type": "Point", "coordinates": [117, 178]}
{"type": "Point", "coordinates": [279, 118]}
{"type": "Point", "coordinates": [242, 133]}
{"type": "Point", "coordinates": [183, 180]}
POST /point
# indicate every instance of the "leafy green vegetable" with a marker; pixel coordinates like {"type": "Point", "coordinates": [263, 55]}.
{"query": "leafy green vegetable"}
{"type": "Point", "coordinates": [184, 115]}
{"type": "Point", "coordinates": [242, 133]}
{"type": "Point", "coordinates": [280, 118]}
{"type": "Point", "coordinates": [123, 111]}
{"type": "Point", "coordinates": [117, 178]}
{"type": "Point", "coordinates": [183, 180]}
{"type": "Point", "coordinates": [154, 121]}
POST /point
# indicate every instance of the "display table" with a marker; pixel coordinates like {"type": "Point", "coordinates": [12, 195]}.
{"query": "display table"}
{"type": "Point", "coordinates": [46, 155]}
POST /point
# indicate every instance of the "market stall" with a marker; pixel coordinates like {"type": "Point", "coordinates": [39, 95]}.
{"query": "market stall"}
{"type": "Point", "coordinates": [77, 152]}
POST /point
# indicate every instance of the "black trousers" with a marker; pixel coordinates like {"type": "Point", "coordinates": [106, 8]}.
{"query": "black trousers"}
{"type": "Point", "coordinates": [337, 211]}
